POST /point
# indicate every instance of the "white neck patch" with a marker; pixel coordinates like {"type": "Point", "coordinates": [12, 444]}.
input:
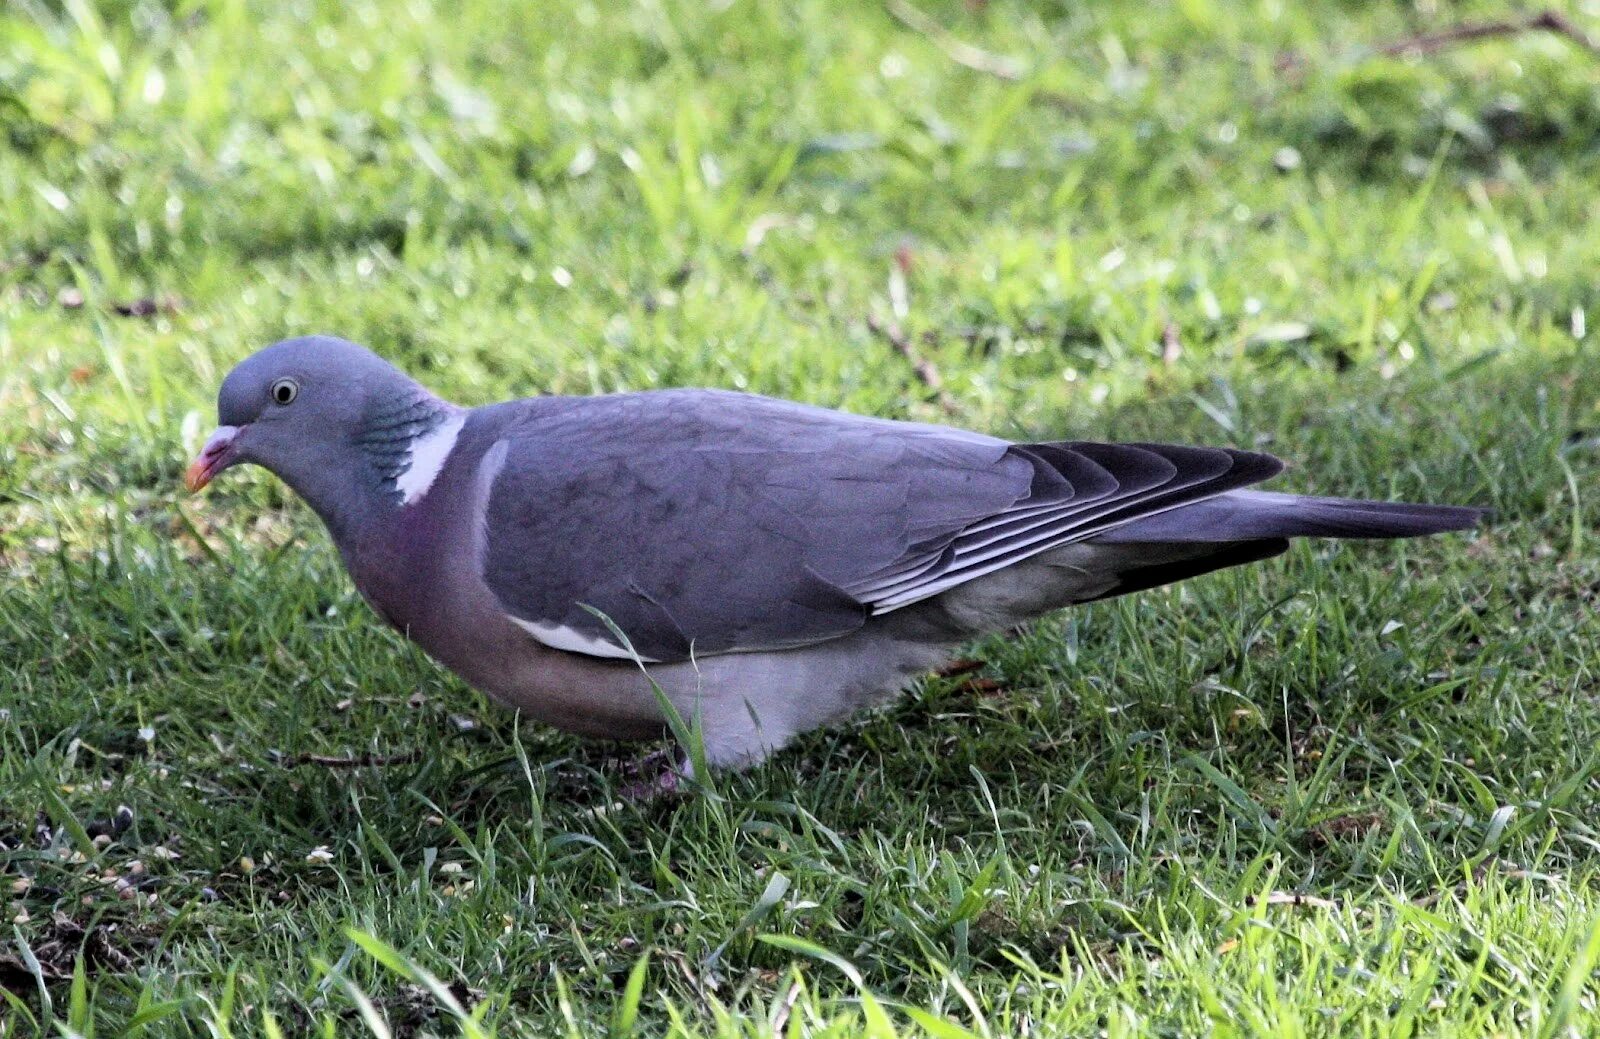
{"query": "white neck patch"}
{"type": "Point", "coordinates": [426, 457]}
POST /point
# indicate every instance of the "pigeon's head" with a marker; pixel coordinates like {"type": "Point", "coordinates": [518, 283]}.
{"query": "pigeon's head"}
{"type": "Point", "coordinates": [307, 409]}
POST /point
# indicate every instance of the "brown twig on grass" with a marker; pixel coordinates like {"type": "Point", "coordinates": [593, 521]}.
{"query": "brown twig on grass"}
{"type": "Point", "coordinates": [981, 687]}
{"type": "Point", "coordinates": [956, 49]}
{"type": "Point", "coordinates": [959, 666]}
{"type": "Point", "coordinates": [927, 374]}
{"type": "Point", "coordinates": [357, 761]}
{"type": "Point", "coordinates": [781, 1018]}
{"type": "Point", "coordinates": [1292, 898]}
{"type": "Point", "coordinates": [1468, 32]}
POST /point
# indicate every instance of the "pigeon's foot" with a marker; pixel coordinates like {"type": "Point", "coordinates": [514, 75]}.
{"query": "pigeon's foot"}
{"type": "Point", "coordinates": [659, 774]}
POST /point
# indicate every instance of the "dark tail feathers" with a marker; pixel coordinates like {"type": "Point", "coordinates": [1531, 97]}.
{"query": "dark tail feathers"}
{"type": "Point", "coordinates": [1252, 515]}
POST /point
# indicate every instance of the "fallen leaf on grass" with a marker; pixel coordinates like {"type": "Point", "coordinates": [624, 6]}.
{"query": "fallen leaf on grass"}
{"type": "Point", "coordinates": [1340, 827]}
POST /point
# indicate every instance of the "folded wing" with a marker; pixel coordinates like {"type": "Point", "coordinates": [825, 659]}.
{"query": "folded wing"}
{"type": "Point", "coordinates": [705, 522]}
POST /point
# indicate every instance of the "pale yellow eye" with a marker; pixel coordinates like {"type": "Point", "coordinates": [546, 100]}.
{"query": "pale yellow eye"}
{"type": "Point", "coordinates": [284, 391]}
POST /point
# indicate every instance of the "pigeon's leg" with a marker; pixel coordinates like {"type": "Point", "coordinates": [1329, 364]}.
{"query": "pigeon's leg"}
{"type": "Point", "coordinates": [661, 773]}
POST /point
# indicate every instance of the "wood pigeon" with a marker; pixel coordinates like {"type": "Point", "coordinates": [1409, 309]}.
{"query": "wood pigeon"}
{"type": "Point", "coordinates": [771, 566]}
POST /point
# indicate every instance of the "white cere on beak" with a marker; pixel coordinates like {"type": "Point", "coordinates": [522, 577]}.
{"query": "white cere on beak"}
{"type": "Point", "coordinates": [220, 438]}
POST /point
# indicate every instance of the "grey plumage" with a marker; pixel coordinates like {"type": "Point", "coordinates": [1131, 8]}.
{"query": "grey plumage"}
{"type": "Point", "coordinates": [775, 565]}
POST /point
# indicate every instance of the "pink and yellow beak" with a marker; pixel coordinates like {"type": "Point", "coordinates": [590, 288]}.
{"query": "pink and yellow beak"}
{"type": "Point", "coordinates": [216, 456]}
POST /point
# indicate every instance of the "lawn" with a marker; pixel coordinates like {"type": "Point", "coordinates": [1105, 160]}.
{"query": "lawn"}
{"type": "Point", "coordinates": [1352, 791]}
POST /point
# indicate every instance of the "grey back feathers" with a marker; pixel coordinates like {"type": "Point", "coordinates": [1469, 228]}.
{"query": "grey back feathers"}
{"type": "Point", "coordinates": [710, 522]}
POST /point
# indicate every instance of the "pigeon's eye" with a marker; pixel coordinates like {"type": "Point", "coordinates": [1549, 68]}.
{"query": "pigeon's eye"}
{"type": "Point", "coordinates": [284, 391]}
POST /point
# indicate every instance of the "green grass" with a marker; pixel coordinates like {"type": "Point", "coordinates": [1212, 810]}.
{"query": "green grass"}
{"type": "Point", "coordinates": [519, 198]}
